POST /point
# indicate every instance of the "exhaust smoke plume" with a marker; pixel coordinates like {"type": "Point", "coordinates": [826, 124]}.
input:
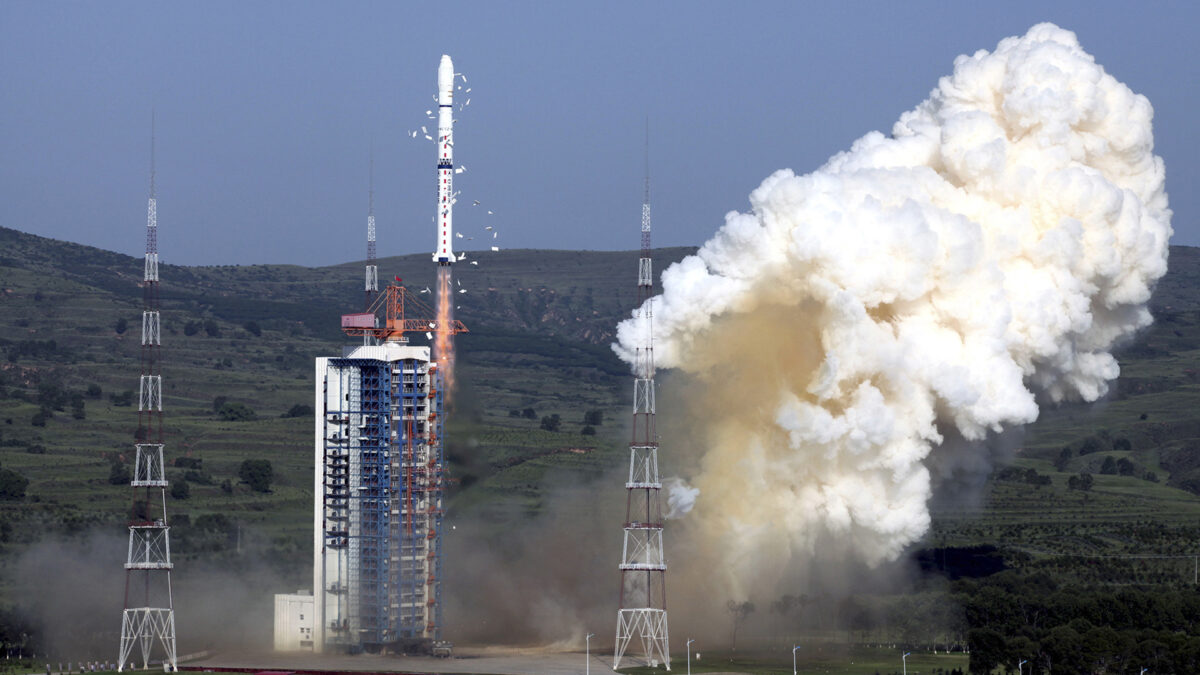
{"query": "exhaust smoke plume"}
{"type": "Point", "coordinates": [932, 284]}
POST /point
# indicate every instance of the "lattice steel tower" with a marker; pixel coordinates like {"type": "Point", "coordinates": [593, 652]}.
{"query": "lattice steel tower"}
{"type": "Point", "coordinates": [149, 616]}
{"type": "Point", "coordinates": [372, 276]}
{"type": "Point", "coordinates": [643, 608]}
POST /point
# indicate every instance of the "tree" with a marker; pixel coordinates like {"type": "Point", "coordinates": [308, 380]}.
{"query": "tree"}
{"type": "Point", "coordinates": [219, 401]}
{"type": "Point", "coordinates": [1108, 467]}
{"type": "Point", "coordinates": [252, 328]}
{"type": "Point", "coordinates": [211, 327]}
{"type": "Point", "coordinates": [529, 414]}
{"type": "Point", "coordinates": [593, 418]}
{"type": "Point", "coordinates": [39, 418]}
{"type": "Point", "coordinates": [988, 649]}
{"type": "Point", "coordinates": [191, 328]}
{"type": "Point", "coordinates": [738, 611]}
{"type": "Point", "coordinates": [12, 485]}
{"type": "Point", "coordinates": [299, 410]}
{"type": "Point", "coordinates": [180, 490]}
{"type": "Point", "coordinates": [552, 422]}
{"type": "Point", "coordinates": [236, 412]}
{"type": "Point", "coordinates": [118, 474]}
{"type": "Point", "coordinates": [1064, 458]}
{"type": "Point", "coordinates": [257, 473]}
{"type": "Point", "coordinates": [121, 326]}
{"type": "Point", "coordinates": [93, 391]}
{"type": "Point", "coordinates": [1125, 467]}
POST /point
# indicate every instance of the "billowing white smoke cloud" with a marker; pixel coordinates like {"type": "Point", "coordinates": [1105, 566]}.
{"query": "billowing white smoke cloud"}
{"type": "Point", "coordinates": [992, 250]}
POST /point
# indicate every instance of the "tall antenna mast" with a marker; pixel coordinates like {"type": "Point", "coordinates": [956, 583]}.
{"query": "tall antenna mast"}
{"type": "Point", "coordinates": [372, 284]}
{"type": "Point", "coordinates": [149, 616]}
{"type": "Point", "coordinates": [643, 607]}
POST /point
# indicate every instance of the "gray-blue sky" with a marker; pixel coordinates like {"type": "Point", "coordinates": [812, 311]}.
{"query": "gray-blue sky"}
{"type": "Point", "coordinates": [266, 112]}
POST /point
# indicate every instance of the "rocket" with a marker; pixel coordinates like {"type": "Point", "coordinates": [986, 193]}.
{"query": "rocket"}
{"type": "Point", "coordinates": [444, 253]}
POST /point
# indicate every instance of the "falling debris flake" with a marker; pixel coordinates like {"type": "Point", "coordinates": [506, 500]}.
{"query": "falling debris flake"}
{"type": "Point", "coordinates": [458, 234]}
{"type": "Point", "coordinates": [462, 290]}
{"type": "Point", "coordinates": [428, 335]}
{"type": "Point", "coordinates": [474, 262]}
{"type": "Point", "coordinates": [495, 248]}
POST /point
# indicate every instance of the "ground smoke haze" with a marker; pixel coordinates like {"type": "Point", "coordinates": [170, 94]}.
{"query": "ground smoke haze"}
{"type": "Point", "coordinates": [935, 284]}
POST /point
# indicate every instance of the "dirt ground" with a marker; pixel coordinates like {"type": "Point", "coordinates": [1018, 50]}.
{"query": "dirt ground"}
{"type": "Point", "coordinates": [490, 660]}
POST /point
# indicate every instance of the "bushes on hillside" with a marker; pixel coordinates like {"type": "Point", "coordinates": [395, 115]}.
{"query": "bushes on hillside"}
{"type": "Point", "coordinates": [12, 485]}
{"type": "Point", "coordinates": [236, 412]}
{"type": "Point", "coordinates": [257, 473]}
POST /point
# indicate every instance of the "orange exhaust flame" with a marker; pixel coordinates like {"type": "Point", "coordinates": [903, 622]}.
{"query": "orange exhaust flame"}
{"type": "Point", "coordinates": [443, 347]}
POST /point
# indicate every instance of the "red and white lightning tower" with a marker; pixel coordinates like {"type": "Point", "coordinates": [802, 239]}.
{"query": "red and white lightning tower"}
{"type": "Point", "coordinates": [643, 609]}
{"type": "Point", "coordinates": [149, 616]}
{"type": "Point", "coordinates": [372, 271]}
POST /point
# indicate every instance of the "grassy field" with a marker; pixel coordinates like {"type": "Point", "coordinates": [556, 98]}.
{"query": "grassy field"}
{"type": "Point", "coordinates": [825, 659]}
{"type": "Point", "coordinates": [540, 322]}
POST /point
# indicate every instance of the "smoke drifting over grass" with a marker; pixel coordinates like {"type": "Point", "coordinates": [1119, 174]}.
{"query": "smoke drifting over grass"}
{"type": "Point", "coordinates": [73, 588]}
{"type": "Point", "coordinates": [935, 283]}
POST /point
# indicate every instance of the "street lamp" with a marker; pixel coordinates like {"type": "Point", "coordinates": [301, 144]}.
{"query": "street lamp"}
{"type": "Point", "coordinates": [904, 662]}
{"type": "Point", "coordinates": [587, 655]}
{"type": "Point", "coordinates": [689, 653]}
{"type": "Point", "coordinates": [1020, 670]}
{"type": "Point", "coordinates": [794, 659]}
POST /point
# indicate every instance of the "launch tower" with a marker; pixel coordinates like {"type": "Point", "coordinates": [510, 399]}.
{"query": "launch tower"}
{"type": "Point", "coordinates": [377, 562]}
{"type": "Point", "coordinates": [149, 616]}
{"type": "Point", "coordinates": [643, 607]}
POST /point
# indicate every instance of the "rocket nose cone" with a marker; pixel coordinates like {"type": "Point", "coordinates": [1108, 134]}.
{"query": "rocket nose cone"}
{"type": "Point", "coordinates": [446, 74]}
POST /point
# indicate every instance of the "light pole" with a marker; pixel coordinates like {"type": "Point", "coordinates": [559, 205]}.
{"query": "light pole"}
{"type": "Point", "coordinates": [1020, 669]}
{"type": "Point", "coordinates": [904, 662]}
{"type": "Point", "coordinates": [689, 655]}
{"type": "Point", "coordinates": [587, 655]}
{"type": "Point", "coordinates": [794, 659]}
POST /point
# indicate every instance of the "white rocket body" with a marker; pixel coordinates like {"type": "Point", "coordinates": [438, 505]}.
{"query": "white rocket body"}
{"type": "Point", "coordinates": [444, 253]}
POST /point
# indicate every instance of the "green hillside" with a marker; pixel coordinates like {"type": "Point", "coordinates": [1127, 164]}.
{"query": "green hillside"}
{"type": "Point", "coordinates": [1083, 484]}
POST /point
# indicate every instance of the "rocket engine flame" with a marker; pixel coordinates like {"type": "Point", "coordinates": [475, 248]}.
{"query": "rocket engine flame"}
{"type": "Point", "coordinates": [936, 282]}
{"type": "Point", "coordinates": [443, 346]}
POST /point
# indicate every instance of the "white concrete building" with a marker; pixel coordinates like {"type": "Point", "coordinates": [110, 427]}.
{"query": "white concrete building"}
{"type": "Point", "coordinates": [377, 508]}
{"type": "Point", "coordinates": [293, 621]}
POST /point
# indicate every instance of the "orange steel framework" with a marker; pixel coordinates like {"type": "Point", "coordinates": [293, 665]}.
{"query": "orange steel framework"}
{"type": "Point", "coordinates": [397, 305]}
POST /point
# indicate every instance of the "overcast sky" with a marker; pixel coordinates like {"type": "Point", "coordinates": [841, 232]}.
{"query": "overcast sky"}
{"type": "Point", "coordinates": [266, 112]}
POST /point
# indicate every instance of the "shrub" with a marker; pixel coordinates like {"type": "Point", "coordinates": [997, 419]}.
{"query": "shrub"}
{"type": "Point", "coordinates": [593, 418]}
{"type": "Point", "coordinates": [219, 401]}
{"type": "Point", "coordinates": [93, 391]}
{"type": "Point", "coordinates": [118, 474]}
{"type": "Point", "coordinates": [529, 414]}
{"type": "Point", "coordinates": [1108, 467]}
{"type": "Point", "coordinates": [36, 449]}
{"type": "Point", "coordinates": [552, 422]}
{"type": "Point", "coordinates": [257, 473]}
{"type": "Point", "coordinates": [212, 328]}
{"type": "Point", "coordinates": [299, 410]}
{"type": "Point", "coordinates": [252, 328]}
{"type": "Point", "coordinates": [180, 490]}
{"type": "Point", "coordinates": [12, 485]}
{"type": "Point", "coordinates": [1125, 467]}
{"type": "Point", "coordinates": [236, 412]}
{"type": "Point", "coordinates": [188, 462]}
{"type": "Point", "coordinates": [588, 431]}
{"type": "Point", "coordinates": [121, 325]}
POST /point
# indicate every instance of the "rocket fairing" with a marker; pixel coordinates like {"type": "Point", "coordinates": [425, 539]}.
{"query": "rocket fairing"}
{"type": "Point", "coordinates": [444, 253]}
